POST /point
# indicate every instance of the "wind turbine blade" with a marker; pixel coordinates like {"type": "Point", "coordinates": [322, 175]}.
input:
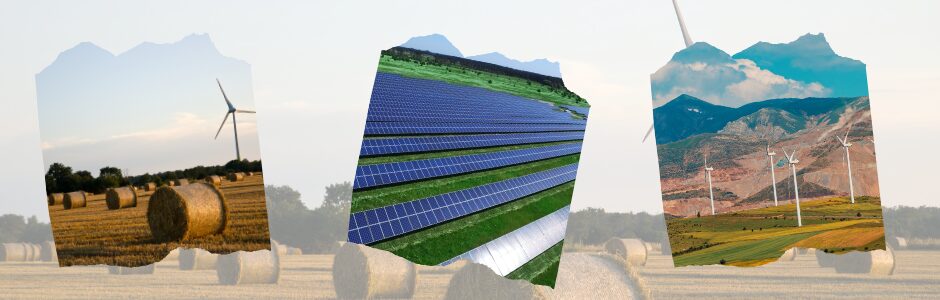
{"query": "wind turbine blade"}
{"type": "Point", "coordinates": [847, 132]}
{"type": "Point", "coordinates": [229, 103]}
{"type": "Point", "coordinates": [685, 32]}
{"type": "Point", "coordinates": [220, 126]}
{"type": "Point", "coordinates": [245, 111]}
{"type": "Point", "coordinates": [647, 133]}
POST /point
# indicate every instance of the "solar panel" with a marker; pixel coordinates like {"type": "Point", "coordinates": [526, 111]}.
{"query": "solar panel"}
{"type": "Point", "coordinates": [426, 117]}
{"type": "Point", "coordinates": [398, 172]}
{"type": "Point", "coordinates": [394, 220]}
{"type": "Point", "coordinates": [384, 146]}
{"type": "Point", "coordinates": [398, 128]}
{"type": "Point", "coordinates": [509, 252]}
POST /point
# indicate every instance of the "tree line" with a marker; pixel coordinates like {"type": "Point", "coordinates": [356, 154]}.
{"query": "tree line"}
{"type": "Point", "coordinates": [62, 179]}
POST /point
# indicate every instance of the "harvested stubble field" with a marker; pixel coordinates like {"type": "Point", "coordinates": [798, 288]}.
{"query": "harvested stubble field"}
{"type": "Point", "coordinates": [97, 235]}
{"type": "Point", "coordinates": [310, 277]}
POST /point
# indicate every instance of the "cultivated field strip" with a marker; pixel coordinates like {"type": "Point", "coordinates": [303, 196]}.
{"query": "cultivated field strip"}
{"type": "Point", "coordinates": [94, 234]}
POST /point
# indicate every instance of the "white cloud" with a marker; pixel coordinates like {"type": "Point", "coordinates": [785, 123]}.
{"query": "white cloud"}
{"type": "Point", "coordinates": [731, 84]}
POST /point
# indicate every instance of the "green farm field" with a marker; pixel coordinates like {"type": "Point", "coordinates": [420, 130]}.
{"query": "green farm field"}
{"type": "Point", "coordinates": [470, 77]}
{"type": "Point", "coordinates": [760, 236]}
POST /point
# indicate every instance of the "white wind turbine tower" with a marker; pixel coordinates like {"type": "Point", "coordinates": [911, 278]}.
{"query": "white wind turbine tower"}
{"type": "Point", "coordinates": [231, 111]}
{"type": "Point", "coordinates": [708, 176]}
{"type": "Point", "coordinates": [791, 158]}
{"type": "Point", "coordinates": [773, 177]}
{"type": "Point", "coordinates": [845, 145]}
{"type": "Point", "coordinates": [688, 42]}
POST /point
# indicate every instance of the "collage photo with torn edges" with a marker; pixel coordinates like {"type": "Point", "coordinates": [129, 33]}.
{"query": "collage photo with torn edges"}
{"type": "Point", "coordinates": [766, 153]}
{"type": "Point", "coordinates": [467, 159]}
{"type": "Point", "coordinates": [136, 161]}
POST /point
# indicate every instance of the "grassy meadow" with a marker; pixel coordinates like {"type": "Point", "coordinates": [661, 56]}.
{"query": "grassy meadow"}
{"type": "Point", "coordinates": [470, 77]}
{"type": "Point", "coordinates": [96, 235]}
{"type": "Point", "coordinates": [760, 236]}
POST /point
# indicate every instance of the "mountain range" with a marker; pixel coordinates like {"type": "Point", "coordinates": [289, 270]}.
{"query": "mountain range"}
{"type": "Point", "coordinates": [439, 44]}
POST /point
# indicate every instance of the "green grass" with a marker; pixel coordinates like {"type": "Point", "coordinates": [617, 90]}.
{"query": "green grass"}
{"type": "Point", "coordinates": [365, 200]}
{"type": "Point", "coordinates": [429, 155]}
{"type": "Point", "coordinates": [757, 236]}
{"type": "Point", "coordinates": [440, 243]}
{"type": "Point", "coordinates": [470, 77]}
{"type": "Point", "coordinates": [542, 269]}
{"type": "Point", "coordinates": [741, 252]}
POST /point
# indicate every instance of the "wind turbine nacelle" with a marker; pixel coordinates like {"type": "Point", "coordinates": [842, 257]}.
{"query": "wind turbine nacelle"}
{"type": "Point", "coordinates": [709, 169]}
{"type": "Point", "coordinates": [771, 153]}
{"type": "Point", "coordinates": [795, 161]}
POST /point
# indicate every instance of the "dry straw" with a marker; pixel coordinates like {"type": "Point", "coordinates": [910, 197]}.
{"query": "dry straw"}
{"type": "Point", "coordinates": [611, 278]}
{"type": "Point", "coordinates": [48, 252]}
{"type": "Point", "coordinates": [123, 197]}
{"type": "Point", "coordinates": [35, 252]}
{"type": "Point", "coordinates": [150, 187]}
{"type": "Point", "coordinates": [143, 270]}
{"type": "Point", "coordinates": [633, 251]}
{"type": "Point", "coordinates": [182, 182]}
{"type": "Point", "coordinates": [242, 267]}
{"type": "Point", "coordinates": [902, 242]}
{"type": "Point", "coordinates": [475, 281]}
{"type": "Point", "coordinates": [294, 251]}
{"type": "Point", "coordinates": [75, 200]}
{"type": "Point", "coordinates": [197, 259]}
{"type": "Point", "coordinates": [360, 272]}
{"type": "Point", "coordinates": [184, 212]}
{"type": "Point", "coordinates": [56, 198]}
{"type": "Point", "coordinates": [214, 180]}
{"type": "Point", "coordinates": [236, 177]}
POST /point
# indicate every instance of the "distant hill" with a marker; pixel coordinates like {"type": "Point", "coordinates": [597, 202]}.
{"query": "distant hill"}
{"type": "Point", "coordinates": [811, 59]}
{"type": "Point", "coordinates": [686, 116]}
{"type": "Point", "coordinates": [540, 66]}
{"type": "Point", "coordinates": [436, 43]}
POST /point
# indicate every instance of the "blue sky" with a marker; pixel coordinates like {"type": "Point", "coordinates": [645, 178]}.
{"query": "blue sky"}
{"type": "Point", "coordinates": [313, 65]}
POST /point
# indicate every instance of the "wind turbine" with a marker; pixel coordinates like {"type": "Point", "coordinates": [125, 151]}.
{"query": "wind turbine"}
{"type": "Point", "coordinates": [688, 42]}
{"type": "Point", "coordinates": [231, 111]}
{"type": "Point", "coordinates": [845, 145]}
{"type": "Point", "coordinates": [791, 158]}
{"type": "Point", "coordinates": [708, 176]}
{"type": "Point", "coordinates": [773, 177]}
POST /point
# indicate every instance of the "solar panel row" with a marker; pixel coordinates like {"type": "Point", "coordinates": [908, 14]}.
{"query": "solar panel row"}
{"type": "Point", "coordinates": [397, 172]}
{"type": "Point", "coordinates": [386, 222]}
{"type": "Point", "coordinates": [384, 146]}
{"type": "Point", "coordinates": [469, 118]}
{"type": "Point", "coordinates": [509, 252]}
{"type": "Point", "coordinates": [397, 128]}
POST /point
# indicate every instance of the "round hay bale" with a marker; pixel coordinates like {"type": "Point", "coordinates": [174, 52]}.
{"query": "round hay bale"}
{"type": "Point", "coordinates": [901, 242]}
{"type": "Point", "coordinates": [249, 174]}
{"type": "Point", "coordinates": [48, 252]}
{"type": "Point", "coordinates": [236, 177]}
{"type": "Point", "coordinates": [74, 200]}
{"type": "Point", "coordinates": [825, 260]}
{"type": "Point", "coordinates": [788, 255]}
{"type": "Point", "coordinates": [593, 276]}
{"type": "Point", "coordinates": [55, 199]}
{"type": "Point", "coordinates": [360, 272]}
{"type": "Point", "coordinates": [633, 251]}
{"type": "Point", "coordinates": [36, 251]}
{"type": "Point", "coordinates": [142, 270]}
{"type": "Point", "coordinates": [150, 187]}
{"type": "Point", "coordinates": [281, 249]}
{"type": "Point", "coordinates": [214, 180]}
{"type": "Point", "coordinates": [197, 259]}
{"type": "Point", "coordinates": [173, 255]}
{"type": "Point", "coordinates": [181, 182]}
{"type": "Point", "coordinates": [13, 252]}
{"type": "Point", "coordinates": [476, 281]}
{"type": "Point", "coordinates": [242, 267]}
{"type": "Point", "coordinates": [649, 247]}
{"type": "Point", "coordinates": [123, 197]}
{"type": "Point", "coordinates": [878, 262]}
{"type": "Point", "coordinates": [294, 251]}
{"type": "Point", "coordinates": [189, 211]}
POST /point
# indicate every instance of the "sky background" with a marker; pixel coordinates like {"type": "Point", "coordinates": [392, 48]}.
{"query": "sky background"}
{"type": "Point", "coordinates": [153, 108]}
{"type": "Point", "coordinates": [313, 65]}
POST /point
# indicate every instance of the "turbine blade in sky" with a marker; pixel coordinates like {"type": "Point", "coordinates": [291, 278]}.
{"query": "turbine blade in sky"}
{"type": "Point", "coordinates": [685, 32]}
{"type": "Point", "coordinates": [229, 103]}
{"type": "Point", "coordinates": [220, 126]}
{"type": "Point", "coordinates": [245, 111]}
